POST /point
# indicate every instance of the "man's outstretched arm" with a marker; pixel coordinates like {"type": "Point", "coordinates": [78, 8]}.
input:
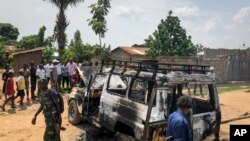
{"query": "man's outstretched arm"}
{"type": "Point", "coordinates": [37, 113]}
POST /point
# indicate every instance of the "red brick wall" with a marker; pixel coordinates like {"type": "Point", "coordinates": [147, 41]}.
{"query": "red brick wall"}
{"type": "Point", "coordinates": [26, 58]}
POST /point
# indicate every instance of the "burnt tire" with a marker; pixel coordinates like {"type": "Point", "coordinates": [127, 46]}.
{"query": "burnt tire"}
{"type": "Point", "coordinates": [74, 116]}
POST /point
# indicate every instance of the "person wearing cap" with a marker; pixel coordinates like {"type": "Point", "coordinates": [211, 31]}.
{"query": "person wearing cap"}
{"type": "Point", "coordinates": [48, 104]}
{"type": "Point", "coordinates": [20, 84]}
{"type": "Point", "coordinates": [5, 77]}
{"type": "Point", "coordinates": [9, 90]}
{"type": "Point", "coordinates": [178, 128]}
{"type": "Point", "coordinates": [47, 70]}
{"type": "Point", "coordinates": [211, 73]}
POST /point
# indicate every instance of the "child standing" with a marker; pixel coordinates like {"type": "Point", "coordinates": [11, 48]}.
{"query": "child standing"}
{"type": "Point", "coordinates": [9, 90]}
{"type": "Point", "coordinates": [20, 84]}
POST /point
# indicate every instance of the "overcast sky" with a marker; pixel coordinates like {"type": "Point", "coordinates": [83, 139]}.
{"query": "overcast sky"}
{"type": "Point", "coordinates": [213, 23]}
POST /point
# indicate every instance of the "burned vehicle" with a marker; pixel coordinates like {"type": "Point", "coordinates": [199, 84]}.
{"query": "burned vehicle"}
{"type": "Point", "coordinates": [136, 99]}
{"type": "Point", "coordinates": [85, 73]}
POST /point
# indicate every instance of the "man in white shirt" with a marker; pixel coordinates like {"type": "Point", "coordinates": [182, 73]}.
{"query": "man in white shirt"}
{"type": "Point", "coordinates": [47, 70]}
{"type": "Point", "coordinates": [211, 73]}
{"type": "Point", "coordinates": [40, 72]}
{"type": "Point", "coordinates": [71, 67]}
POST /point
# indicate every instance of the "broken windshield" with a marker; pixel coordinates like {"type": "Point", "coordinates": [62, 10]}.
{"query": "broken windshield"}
{"type": "Point", "coordinates": [167, 96]}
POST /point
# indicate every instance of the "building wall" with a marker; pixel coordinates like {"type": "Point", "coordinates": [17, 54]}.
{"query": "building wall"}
{"type": "Point", "coordinates": [26, 58]}
{"type": "Point", "coordinates": [238, 68]}
{"type": "Point", "coordinates": [191, 60]}
{"type": "Point", "coordinates": [226, 69]}
{"type": "Point", "coordinates": [221, 67]}
{"type": "Point", "coordinates": [211, 53]}
{"type": "Point", "coordinates": [119, 54]}
{"type": "Point", "coordinates": [230, 65]}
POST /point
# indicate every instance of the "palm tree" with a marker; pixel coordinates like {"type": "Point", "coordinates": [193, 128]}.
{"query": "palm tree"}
{"type": "Point", "coordinates": [61, 22]}
{"type": "Point", "coordinates": [98, 21]}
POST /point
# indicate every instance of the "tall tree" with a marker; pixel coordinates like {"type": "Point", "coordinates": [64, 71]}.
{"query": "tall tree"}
{"type": "Point", "coordinates": [8, 31]}
{"type": "Point", "coordinates": [61, 22]}
{"type": "Point", "coordinates": [98, 21]}
{"type": "Point", "coordinates": [40, 36]}
{"type": "Point", "coordinates": [48, 42]}
{"type": "Point", "coordinates": [77, 36]}
{"type": "Point", "coordinates": [170, 39]}
{"type": "Point", "coordinates": [28, 42]}
{"type": "Point", "coordinates": [77, 46]}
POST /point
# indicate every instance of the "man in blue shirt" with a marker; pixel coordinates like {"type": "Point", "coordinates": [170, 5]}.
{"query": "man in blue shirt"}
{"type": "Point", "coordinates": [178, 128]}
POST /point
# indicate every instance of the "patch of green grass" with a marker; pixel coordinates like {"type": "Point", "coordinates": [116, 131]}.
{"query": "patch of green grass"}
{"type": "Point", "coordinates": [230, 88]}
{"type": "Point", "coordinates": [64, 90]}
{"type": "Point", "coordinates": [222, 89]}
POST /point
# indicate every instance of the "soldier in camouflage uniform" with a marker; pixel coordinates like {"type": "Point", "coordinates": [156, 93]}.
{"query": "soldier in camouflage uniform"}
{"type": "Point", "coordinates": [49, 108]}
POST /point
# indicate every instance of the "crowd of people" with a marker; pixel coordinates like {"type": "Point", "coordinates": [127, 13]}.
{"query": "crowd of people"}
{"type": "Point", "coordinates": [59, 76]}
{"type": "Point", "coordinates": [38, 77]}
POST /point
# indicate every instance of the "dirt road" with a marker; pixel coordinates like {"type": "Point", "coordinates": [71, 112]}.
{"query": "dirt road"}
{"type": "Point", "coordinates": [16, 125]}
{"type": "Point", "coordinates": [233, 104]}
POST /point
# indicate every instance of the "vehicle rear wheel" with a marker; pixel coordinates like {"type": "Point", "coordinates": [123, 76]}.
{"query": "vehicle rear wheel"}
{"type": "Point", "coordinates": [73, 113]}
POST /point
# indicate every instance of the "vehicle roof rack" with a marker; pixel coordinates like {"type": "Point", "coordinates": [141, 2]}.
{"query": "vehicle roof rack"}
{"type": "Point", "coordinates": [153, 66]}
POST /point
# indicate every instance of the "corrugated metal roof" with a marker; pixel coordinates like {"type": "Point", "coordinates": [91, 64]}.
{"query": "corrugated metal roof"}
{"type": "Point", "coordinates": [133, 50]}
{"type": "Point", "coordinates": [29, 50]}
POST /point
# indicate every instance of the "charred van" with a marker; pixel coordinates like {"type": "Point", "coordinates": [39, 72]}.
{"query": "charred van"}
{"type": "Point", "coordinates": [136, 98]}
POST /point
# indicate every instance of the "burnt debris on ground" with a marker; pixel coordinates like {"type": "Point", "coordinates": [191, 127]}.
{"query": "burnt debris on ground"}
{"type": "Point", "coordinates": [90, 133]}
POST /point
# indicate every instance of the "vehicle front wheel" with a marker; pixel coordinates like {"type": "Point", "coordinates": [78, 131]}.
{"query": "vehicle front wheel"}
{"type": "Point", "coordinates": [73, 113]}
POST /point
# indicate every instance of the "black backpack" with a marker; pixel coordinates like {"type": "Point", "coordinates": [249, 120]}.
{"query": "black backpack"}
{"type": "Point", "coordinates": [60, 103]}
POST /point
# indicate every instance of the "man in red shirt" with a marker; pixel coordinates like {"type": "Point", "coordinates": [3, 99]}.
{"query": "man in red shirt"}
{"type": "Point", "coordinates": [9, 90]}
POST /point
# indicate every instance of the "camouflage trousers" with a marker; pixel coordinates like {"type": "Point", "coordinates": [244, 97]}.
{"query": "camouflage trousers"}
{"type": "Point", "coordinates": [51, 133]}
